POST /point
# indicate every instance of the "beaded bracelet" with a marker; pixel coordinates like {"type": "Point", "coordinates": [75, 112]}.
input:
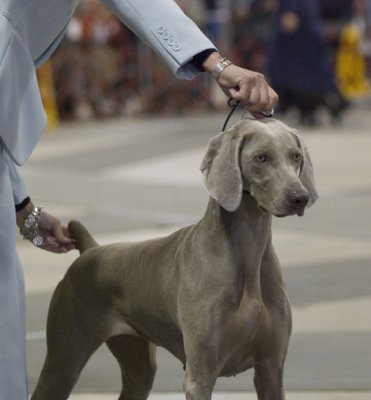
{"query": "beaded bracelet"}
{"type": "Point", "coordinates": [30, 229]}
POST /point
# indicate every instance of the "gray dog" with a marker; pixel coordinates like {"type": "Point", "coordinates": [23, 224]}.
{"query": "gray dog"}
{"type": "Point", "coordinates": [211, 293]}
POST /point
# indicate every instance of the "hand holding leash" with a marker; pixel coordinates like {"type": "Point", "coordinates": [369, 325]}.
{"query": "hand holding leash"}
{"type": "Point", "coordinates": [242, 85]}
{"type": "Point", "coordinates": [247, 87]}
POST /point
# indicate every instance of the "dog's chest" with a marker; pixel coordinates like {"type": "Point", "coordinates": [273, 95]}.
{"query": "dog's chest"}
{"type": "Point", "coordinates": [240, 334]}
{"type": "Point", "coordinates": [239, 356]}
{"type": "Point", "coordinates": [244, 333]}
{"type": "Point", "coordinates": [237, 364]}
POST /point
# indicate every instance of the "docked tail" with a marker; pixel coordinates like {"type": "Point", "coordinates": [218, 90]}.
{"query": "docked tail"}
{"type": "Point", "coordinates": [83, 239]}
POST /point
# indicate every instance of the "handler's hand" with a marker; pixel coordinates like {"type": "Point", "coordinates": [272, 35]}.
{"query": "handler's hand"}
{"type": "Point", "coordinates": [248, 87]}
{"type": "Point", "coordinates": [56, 237]}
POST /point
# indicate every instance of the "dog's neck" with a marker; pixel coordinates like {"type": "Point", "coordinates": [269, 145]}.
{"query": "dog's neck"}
{"type": "Point", "coordinates": [247, 222]}
{"type": "Point", "coordinates": [244, 233]}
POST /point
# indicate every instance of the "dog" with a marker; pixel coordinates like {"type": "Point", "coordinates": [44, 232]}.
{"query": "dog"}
{"type": "Point", "coordinates": [212, 293]}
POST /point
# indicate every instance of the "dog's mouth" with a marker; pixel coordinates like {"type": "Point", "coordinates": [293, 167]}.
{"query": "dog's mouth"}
{"type": "Point", "coordinates": [291, 204]}
{"type": "Point", "coordinates": [289, 214]}
{"type": "Point", "coordinates": [263, 209]}
{"type": "Point", "coordinates": [282, 214]}
{"type": "Point", "coordinates": [297, 212]}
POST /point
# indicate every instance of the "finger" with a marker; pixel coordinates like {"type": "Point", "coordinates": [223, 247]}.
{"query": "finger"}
{"type": "Point", "coordinates": [242, 91]}
{"type": "Point", "coordinates": [66, 232]}
{"type": "Point", "coordinates": [273, 98]}
{"type": "Point", "coordinates": [255, 99]}
{"type": "Point", "coordinates": [260, 96]}
{"type": "Point", "coordinates": [59, 233]}
{"type": "Point", "coordinates": [50, 244]}
{"type": "Point", "coordinates": [257, 115]}
{"type": "Point", "coordinates": [53, 243]}
{"type": "Point", "coordinates": [264, 95]}
{"type": "Point", "coordinates": [267, 104]}
{"type": "Point", "coordinates": [253, 93]}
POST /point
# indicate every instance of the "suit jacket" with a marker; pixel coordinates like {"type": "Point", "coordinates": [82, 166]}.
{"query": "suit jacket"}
{"type": "Point", "coordinates": [30, 30]}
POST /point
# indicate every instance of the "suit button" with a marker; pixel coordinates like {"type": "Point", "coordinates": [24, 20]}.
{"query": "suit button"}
{"type": "Point", "coordinates": [171, 41]}
{"type": "Point", "coordinates": [176, 46]}
{"type": "Point", "coordinates": [166, 35]}
{"type": "Point", "coordinates": [161, 30]}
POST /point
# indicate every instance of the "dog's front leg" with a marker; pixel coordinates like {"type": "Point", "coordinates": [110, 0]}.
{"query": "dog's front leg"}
{"type": "Point", "coordinates": [202, 370]}
{"type": "Point", "coordinates": [200, 374]}
{"type": "Point", "coordinates": [268, 381]}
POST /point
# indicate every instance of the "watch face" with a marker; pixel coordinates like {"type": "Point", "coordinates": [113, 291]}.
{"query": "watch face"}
{"type": "Point", "coordinates": [220, 66]}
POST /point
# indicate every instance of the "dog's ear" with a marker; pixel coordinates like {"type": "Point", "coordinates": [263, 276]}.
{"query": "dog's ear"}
{"type": "Point", "coordinates": [306, 171]}
{"type": "Point", "coordinates": [221, 169]}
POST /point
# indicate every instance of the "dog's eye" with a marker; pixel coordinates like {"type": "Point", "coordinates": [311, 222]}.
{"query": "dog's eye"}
{"type": "Point", "coordinates": [261, 158]}
{"type": "Point", "coordinates": [296, 156]}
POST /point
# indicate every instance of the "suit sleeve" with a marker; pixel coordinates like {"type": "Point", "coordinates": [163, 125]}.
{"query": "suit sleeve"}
{"type": "Point", "coordinates": [19, 188]}
{"type": "Point", "coordinates": [166, 29]}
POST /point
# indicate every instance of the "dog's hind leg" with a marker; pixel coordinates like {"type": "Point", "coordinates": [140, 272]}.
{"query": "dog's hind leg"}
{"type": "Point", "coordinates": [74, 332]}
{"type": "Point", "coordinates": [136, 357]}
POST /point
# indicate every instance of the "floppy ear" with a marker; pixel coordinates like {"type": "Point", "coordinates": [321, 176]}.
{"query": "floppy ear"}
{"type": "Point", "coordinates": [306, 171]}
{"type": "Point", "coordinates": [221, 169]}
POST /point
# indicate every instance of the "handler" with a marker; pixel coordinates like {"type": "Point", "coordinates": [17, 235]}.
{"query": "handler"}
{"type": "Point", "coordinates": [30, 30]}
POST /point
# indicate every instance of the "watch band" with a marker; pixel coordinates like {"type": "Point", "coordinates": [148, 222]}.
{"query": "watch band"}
{"type": "Point", "coordinates": [220, 67]}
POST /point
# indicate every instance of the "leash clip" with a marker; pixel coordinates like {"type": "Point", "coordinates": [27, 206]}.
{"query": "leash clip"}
{"type": "Point", "coordinates": [267, 114]}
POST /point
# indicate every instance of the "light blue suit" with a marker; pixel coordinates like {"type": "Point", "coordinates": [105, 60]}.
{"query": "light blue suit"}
{"type": "Point", "coordinates": [30, 30]}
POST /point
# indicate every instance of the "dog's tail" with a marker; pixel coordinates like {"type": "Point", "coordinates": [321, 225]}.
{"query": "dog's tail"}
{"type": "Point", "coordinates": [81, 236]}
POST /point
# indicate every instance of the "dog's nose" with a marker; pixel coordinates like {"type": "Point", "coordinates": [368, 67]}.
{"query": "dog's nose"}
{"type": "Point", "coordinates": [298, 200]}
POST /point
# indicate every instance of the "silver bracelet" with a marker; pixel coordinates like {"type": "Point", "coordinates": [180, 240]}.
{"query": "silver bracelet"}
{"type": "Point", "coordinates": [220, 67]}
{"type": "Point", "coordinates": [30, 229]}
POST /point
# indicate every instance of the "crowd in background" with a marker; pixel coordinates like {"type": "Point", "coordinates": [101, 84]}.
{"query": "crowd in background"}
{"type": "Point", "coordinates": [102, 70]}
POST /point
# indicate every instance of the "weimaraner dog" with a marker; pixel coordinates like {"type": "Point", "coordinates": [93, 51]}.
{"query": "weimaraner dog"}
{"type": "Point", "coordinates": [211, 293]}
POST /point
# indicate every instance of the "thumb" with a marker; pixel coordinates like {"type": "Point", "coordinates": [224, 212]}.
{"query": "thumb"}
{"type": "Point", "coordinates": [59, 233]}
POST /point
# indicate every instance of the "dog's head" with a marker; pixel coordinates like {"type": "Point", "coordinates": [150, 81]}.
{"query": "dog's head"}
{"type": "Point", "coordinates": [265, 158]}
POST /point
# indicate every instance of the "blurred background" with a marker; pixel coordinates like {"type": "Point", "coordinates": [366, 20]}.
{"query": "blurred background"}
{"type": "Point", "coordinates": [101, 70]}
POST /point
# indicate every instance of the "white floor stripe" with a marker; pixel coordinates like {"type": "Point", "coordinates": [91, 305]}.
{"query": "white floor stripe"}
{"type": "Point", "coordinates": [162, 169]}
{"type": "Point", "coordinates": [37, 335]}
{"type": "Point", "coordinates": [295, 248]}
{"type": "Point", "coordinates": [240, 396]}
{"type": "Point", "coordinates": [351, 315]}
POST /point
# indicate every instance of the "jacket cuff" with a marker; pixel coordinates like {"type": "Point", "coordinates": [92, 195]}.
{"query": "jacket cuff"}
{"type": "Point", "coordinates": [23, 204]}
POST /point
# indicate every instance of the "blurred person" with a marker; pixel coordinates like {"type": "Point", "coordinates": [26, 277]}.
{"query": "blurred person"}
{"type": "Point", "coordinates": [29, 33]}
{"type": "Point", "coordinates": [90, 80]}
{"type": "Point", "coordinates": [215, 19]}
{"type": "Point", "coordinates": [354, 46]}
{"type": "Point", "coordinates": [335, 9]}
{"type": "Point", "coordinates": [334, 15]}
{"type": "Point", "coordinates": [195, 9]}
{"type": "Point", "coordinates": [298, 65]}
{"type": "Point", "coordinates": [250, 27]}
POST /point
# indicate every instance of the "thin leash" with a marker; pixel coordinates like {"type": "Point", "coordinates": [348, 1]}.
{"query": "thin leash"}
{"type": "Point", "coordinates": [234, 104]}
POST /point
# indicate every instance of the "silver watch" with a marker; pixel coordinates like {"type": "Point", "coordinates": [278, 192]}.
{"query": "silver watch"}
{"type": "Point", "coordinates": [220, 67]}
